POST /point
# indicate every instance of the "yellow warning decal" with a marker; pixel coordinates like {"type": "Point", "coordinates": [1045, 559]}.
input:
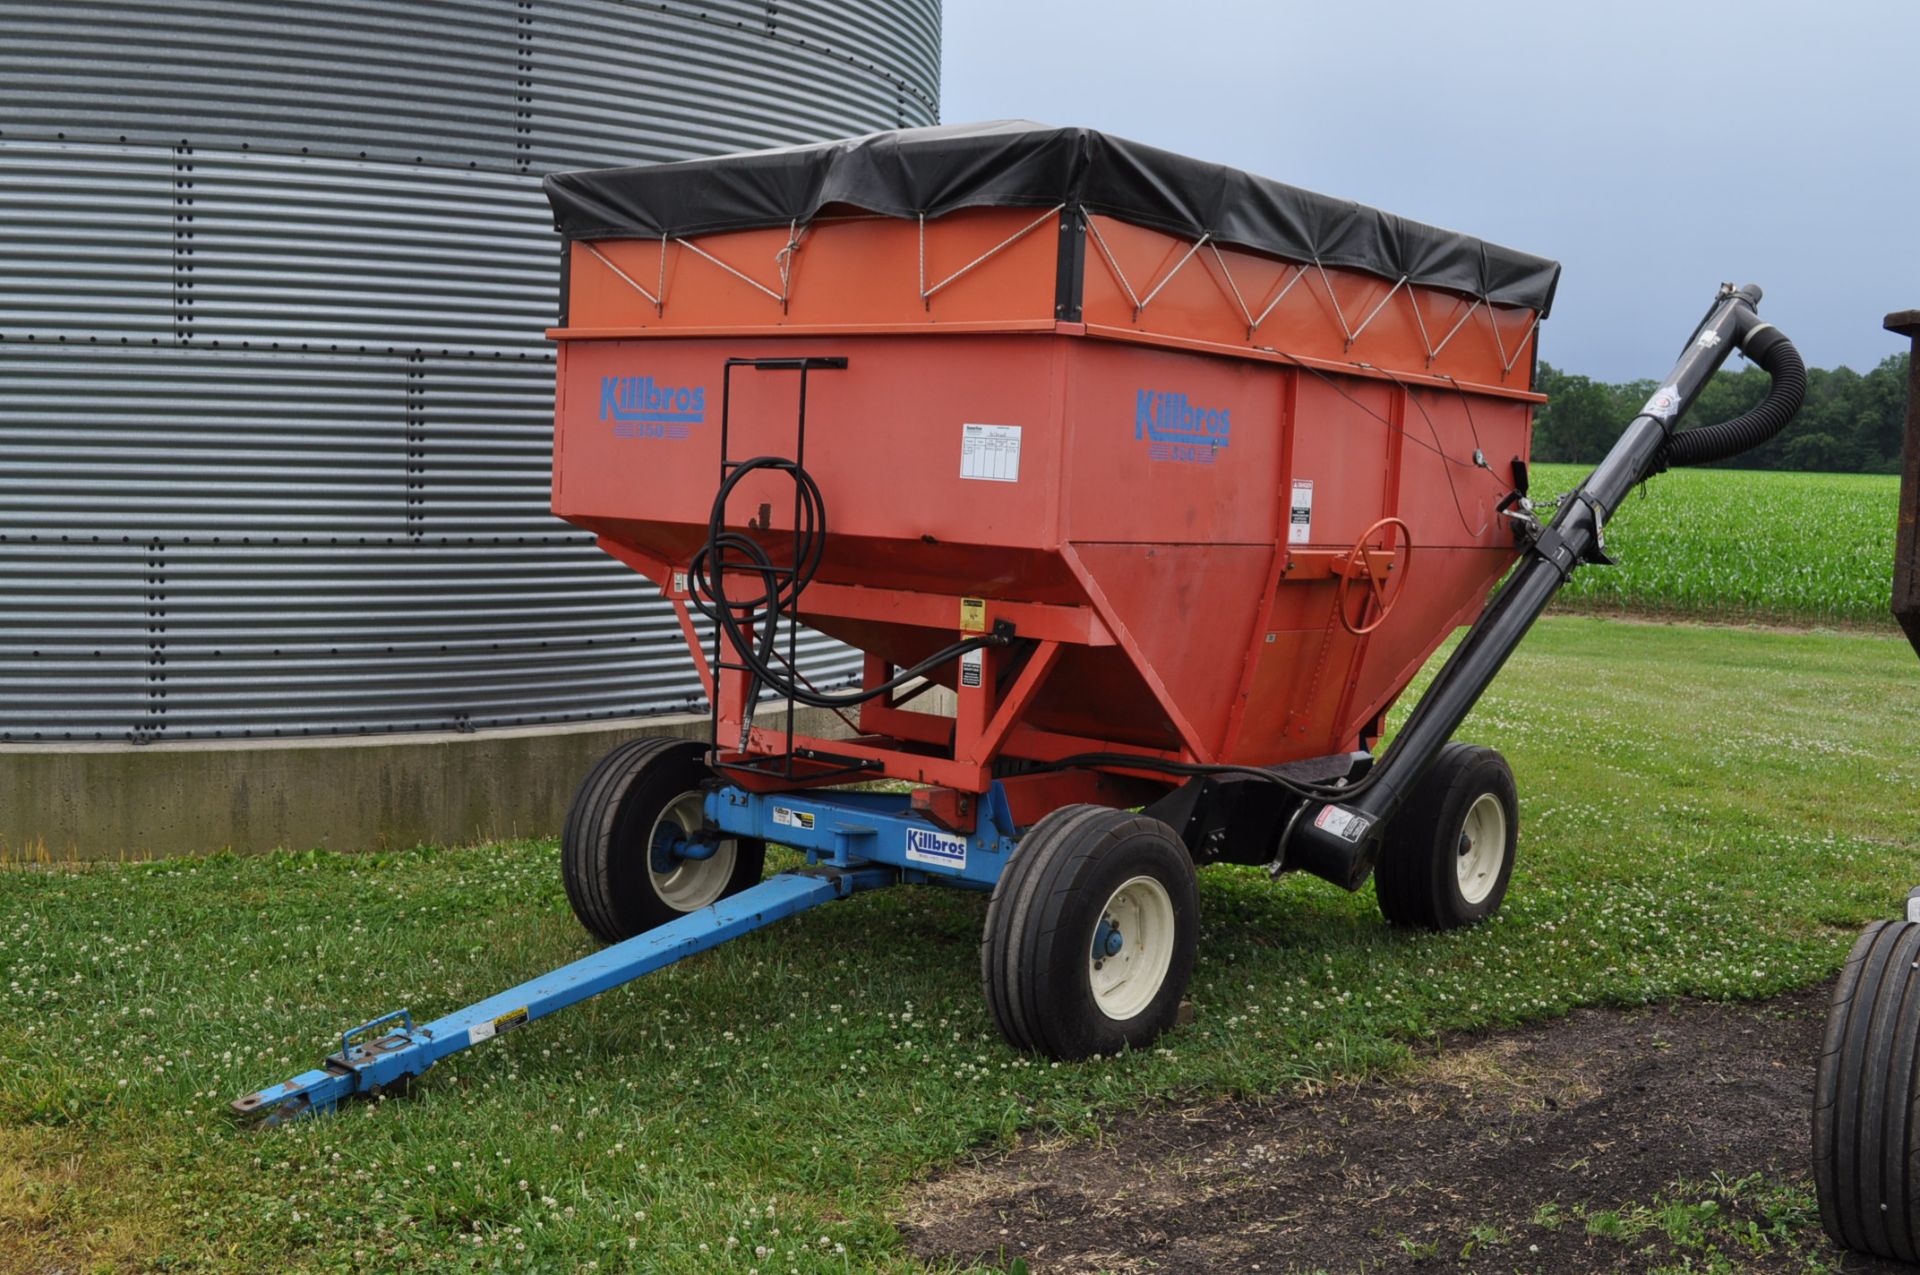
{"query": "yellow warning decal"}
{"type": "Point", "coordinates": [492, 1027]}
{"type": "Point", "coordinates": [973, 615]}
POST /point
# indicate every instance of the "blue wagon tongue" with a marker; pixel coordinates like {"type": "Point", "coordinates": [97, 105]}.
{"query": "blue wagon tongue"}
{"type": "Point", "coordinates": [371, 1063]}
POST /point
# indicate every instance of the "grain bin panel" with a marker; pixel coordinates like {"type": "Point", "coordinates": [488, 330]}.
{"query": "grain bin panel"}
{"type": "Point", "coordinates": [900, 41]}
{"type": "Point", "coordinates": [326, 78]}
{"type": "Point", "coordinates": [484, 435]}
{"type": "Point", "coordinates": [310, 640]}
{"type": "Point", "coordinates": [200, 444]}
{"type": "Point", "coordinates": [86, 243]}
{"type": "Point", "coordinates": [294, 640]}
{"type": "Point", "coordinates": [274, 391]}
{"type": "Point", "coordinates": [326, 254]}
{"type": "Point", "coordinates": [694, 87]}
{"type": "Point", "coordinates": [77, 651]}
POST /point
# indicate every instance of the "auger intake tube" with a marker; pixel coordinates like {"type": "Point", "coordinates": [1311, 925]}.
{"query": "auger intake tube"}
{"type": "Point", "coordinates": [1767, 346]}
{"type": "Point", "coordinates": [1339, 840]}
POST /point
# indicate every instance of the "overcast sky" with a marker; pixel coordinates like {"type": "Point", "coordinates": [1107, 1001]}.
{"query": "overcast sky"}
{"type": "Point", "coordinates": [1654, 149]}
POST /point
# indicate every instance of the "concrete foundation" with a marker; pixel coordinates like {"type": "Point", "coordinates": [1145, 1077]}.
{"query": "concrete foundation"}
{"type": "Point", "coordinates": [125, 801]}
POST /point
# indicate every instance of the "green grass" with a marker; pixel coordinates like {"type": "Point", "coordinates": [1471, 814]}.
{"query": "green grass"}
{"type": "Point", "coordinates": [1720, 1225]}
{"type": "Point", "coordinates": [1706, 812]}
{"type": "Point", "coordinates": [1731, 544]}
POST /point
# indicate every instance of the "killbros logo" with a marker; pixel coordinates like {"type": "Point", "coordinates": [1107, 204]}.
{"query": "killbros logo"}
{"type": "Point", "coordinates": [925, 845]}
{"type": "Point", "coordinates": [640, 407]}
{"type": "Point", "coordinates": [1175, 429]}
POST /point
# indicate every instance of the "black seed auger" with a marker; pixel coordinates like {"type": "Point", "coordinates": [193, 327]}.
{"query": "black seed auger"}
{"type": "Point", "coordinates": [1339, 839]}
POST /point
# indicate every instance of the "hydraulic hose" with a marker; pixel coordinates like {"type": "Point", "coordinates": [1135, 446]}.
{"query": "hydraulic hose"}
{"type": "Point", "coordinates": [1768, 347]}
{"type": "Point", "coordinates": [780, 591]}
{"type": "Point", "coordinates": [1195, 770]}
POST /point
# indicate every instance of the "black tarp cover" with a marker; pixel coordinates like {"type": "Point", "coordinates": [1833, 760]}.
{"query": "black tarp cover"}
{"type": "Point", "coordinates": [930, 171]}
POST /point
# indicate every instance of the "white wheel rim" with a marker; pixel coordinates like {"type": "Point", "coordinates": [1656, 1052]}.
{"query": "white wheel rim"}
{"type": "Point", "coordinates": [1125, 981]}
{"type": "Point", "coordinates": [693, 883]}
{"type": "Point", "coordinates": [1483, 847]}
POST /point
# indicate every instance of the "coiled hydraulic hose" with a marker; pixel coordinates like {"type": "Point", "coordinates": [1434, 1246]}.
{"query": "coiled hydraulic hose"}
{"type": "Point", "coordinates": [780, 591]}
{"type": "Point", "coordinates": [1768, 347]}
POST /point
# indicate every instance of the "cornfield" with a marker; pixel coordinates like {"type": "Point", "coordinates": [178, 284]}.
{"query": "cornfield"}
{"type": "Point", "coordinates": [1731, 544]}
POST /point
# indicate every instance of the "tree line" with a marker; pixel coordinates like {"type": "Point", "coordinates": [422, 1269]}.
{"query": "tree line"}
{"type": "Point", "coordinates": [1850, 423]}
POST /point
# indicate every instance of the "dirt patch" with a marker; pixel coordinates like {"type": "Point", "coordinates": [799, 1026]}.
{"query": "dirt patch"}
{"type": "Point", "coordinates": [1609, 1141]}
{"type": "Point", "coordinates": [59, 1212]}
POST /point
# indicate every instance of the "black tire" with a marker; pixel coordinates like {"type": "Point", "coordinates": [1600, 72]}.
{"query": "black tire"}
{"type": "Point", "coordinates": [605, 846]}
{"type": "Point", "coordinates": [1036, 957]}
{"type": "Point", "coordinates": [1866, 1157]}
{"type": "Point", "coordinates": [1425, 849]}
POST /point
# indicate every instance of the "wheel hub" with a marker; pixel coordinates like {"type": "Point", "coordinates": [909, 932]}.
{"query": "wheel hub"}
{"type": "Point", "coordinates": [1132, 948]}
{"type": "Point", "coordinates": [689, 869]}
{"type": "Point", "coordinates": [1483, 847]}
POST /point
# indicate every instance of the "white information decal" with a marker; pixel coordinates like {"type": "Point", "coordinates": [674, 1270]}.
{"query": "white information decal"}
{"type": "Point", "coordinates": [1300, 518]}
{"type": "Point", "coordinates": [972, 667]}
{"type": "Point", "coordinates": [1665, 403]}
{"type": "Point", "coordinates": [990, 453]}
{"type": "Point", "coordinates": [1343, 822]}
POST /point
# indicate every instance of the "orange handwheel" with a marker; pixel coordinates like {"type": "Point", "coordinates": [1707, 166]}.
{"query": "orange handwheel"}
{"type": "Point", "coordinates": [1378, 594]}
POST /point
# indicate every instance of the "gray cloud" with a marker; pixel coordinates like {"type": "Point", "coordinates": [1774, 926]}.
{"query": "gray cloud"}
{"type": "Point", "coordinates": [1654, 149]}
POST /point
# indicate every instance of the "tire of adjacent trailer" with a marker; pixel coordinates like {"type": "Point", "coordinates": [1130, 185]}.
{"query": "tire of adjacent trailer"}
{"type": "Point", "coordinates": [605, 847]}
{"type": "Point", "coordinates": [1076, 866]}
{"type": "Point", "coordinates": [1866, 1098]}
{"type": "Point", "coordinates": [1447, 857]}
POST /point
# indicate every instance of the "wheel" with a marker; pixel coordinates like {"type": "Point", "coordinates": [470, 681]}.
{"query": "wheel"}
{"type": "Point", "coordinates": [1090, 934]}
{"type": "Point", "coordinates": [622, 851]}
{"type": "Point", "coordinates": [1866, 1155]}
{"type": "Point", "coordinates": [1446, 858]}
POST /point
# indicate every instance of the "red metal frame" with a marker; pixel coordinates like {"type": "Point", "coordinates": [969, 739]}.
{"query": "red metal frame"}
{"type": "Point", "coordinates": [954, 753]}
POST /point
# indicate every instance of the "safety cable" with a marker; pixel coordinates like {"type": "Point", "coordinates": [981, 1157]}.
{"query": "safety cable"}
{"type": "Point", "coordinates": [1307, 791]}
{"type": "Point", "coordinates": [1404, 433]}
{"type": "Point", "coordinates": [1133, 761]}
{"type": "Point", "coordinates": [1479, 453]}
{"type": "Point", "coordinates": [781, 588]}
